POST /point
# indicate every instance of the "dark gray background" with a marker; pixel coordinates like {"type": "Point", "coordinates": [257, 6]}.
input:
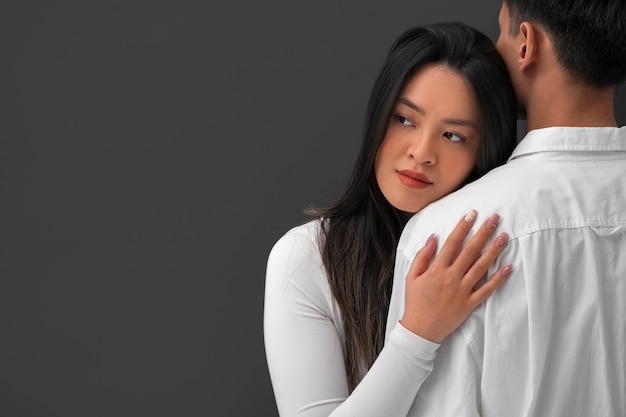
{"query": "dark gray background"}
{"type": "Point", "coordinates": [151, 154]}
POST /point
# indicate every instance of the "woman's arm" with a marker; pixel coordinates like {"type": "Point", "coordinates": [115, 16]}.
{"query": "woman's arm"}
{"type": "Point", "coordinates": [302, 328]}
{"type": "Point", "coordinates": [304, 340]}
{"type": "Point", "coordinates": [304, 343]}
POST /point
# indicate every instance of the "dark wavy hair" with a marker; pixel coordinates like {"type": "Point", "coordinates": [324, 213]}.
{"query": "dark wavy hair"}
{"type": "Point", "coordinates": [360, 232]}
{"type": "Point", "coordinates": [589, 36]}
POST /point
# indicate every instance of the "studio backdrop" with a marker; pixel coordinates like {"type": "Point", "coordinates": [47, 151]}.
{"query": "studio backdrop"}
{"type": "Point", "coordinates": [151, 153]}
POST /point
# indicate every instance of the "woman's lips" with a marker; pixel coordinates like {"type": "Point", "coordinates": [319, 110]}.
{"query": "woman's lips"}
{"type": "Point", "coordinates": [413, 179]}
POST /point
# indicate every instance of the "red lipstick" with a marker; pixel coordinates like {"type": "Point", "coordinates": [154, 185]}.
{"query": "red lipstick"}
{"type": "Point", "coordinates": [413, 179]}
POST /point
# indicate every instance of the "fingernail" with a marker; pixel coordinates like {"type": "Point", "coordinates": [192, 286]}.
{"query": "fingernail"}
{"type": "Point", "coordinates": [430, 239]}
{"type": "Point", "coordinates": [502, 240]}
{"type": "Point", "coordinates": [493, 221]}
{"type": "Point", "coordinates": [506, 270]}
{"type": "Point", "coordinates": [470, 216]}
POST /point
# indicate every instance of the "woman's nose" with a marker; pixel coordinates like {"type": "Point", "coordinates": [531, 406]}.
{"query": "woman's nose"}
{"type": "Point", "coordinates": [423, 148]}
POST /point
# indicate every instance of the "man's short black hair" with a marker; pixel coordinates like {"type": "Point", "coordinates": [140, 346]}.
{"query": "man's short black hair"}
{"type": "Point", "coordinates": [589, 36]}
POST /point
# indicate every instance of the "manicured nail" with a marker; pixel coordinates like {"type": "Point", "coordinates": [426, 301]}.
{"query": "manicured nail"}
{"type": "Point", "coordinates": [493, 221]}
{"type": "Point", "coordinates": [470, 216]}
{"type": "Point", "coordinates": [506, 269]}
{"type": "Point", "coordinates": [429, 240]}
{"type": "Point", "coordinates": [502, 240]}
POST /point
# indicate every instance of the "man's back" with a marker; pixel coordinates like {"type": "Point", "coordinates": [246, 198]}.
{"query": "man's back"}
{"type": "Point", "coordinates": [552, 340]}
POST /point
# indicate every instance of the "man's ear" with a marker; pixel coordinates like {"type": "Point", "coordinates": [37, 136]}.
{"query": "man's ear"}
{"type": "Point", "coordinates": [528, 48]}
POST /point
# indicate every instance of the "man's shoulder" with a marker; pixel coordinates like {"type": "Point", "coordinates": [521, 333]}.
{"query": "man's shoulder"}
{"type": "Point", "coordinates": [492, 193]}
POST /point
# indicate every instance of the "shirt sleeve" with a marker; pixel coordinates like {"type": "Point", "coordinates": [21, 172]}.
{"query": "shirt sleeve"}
{"type": "Point", "coordinates": [396, 303]}
{"type": "Point", "coordinates": [304, 345]}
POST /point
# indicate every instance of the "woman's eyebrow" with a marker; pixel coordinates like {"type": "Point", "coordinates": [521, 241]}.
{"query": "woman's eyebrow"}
{"type": "Point", "coordinates": [461, 122]}
{"type": "Point", "coordinates": [407, 102]}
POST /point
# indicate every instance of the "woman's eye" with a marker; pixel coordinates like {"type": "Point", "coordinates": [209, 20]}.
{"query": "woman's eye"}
{"type": "Point", "coordinates": [453, 137]}
{"type": "Point", "coordinates": [403, 120]}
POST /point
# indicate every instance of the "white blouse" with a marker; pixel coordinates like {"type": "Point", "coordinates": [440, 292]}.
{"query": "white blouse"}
{"type": "Point", "coordinates": [304, 342]}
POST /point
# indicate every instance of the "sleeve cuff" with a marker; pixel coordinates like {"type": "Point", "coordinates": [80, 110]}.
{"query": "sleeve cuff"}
{"type": "Point", "coordinates": [413, 344]}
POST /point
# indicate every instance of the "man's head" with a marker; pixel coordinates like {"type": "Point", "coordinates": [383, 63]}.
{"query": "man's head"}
{"type": "Point", "coordinates": [588, 37]}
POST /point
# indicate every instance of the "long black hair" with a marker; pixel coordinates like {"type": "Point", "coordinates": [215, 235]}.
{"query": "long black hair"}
{"type": "Point", "coordinates": [360, 232]}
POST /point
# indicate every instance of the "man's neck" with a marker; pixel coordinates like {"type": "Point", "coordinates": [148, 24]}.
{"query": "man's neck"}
{"type": "Point", "coordinates": [578, 106]}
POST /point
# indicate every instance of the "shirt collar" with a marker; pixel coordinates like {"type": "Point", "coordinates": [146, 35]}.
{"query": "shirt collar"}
{"type": "Point", "coordinates": [568, 139]}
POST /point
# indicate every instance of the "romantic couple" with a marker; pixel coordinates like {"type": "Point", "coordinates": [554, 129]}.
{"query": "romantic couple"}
{"type": "Point", "coordinates": [462, 273]}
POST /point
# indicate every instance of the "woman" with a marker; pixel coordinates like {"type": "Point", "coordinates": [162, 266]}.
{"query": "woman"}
{"type": "Point", "coordinates": [441, 113]}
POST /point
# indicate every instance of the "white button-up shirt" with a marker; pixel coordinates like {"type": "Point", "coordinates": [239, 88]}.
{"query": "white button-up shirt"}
{"type": "Point", "coordinates": [552, 340]}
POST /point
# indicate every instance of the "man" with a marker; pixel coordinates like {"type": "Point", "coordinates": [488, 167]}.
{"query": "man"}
{"type": "Point", "coordinates": [551, 341]}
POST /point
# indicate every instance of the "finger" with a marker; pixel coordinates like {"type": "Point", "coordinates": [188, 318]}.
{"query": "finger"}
{"type": "Point", "coordinates": [470, 253]}
{"type": "Point", "coordinates": [456, 238]}
{"type": "Point", "coordinates": [489, 287]}
{"type": "Point", "coordinates": [423, 257]}
{"type": "Point", "coordinates": [480, 267]}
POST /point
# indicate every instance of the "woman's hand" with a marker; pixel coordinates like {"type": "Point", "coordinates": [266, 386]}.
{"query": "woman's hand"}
{"type": "Point", "coordinates": [441, 296]}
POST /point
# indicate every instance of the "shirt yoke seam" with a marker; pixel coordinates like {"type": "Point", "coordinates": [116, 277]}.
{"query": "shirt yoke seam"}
{"type": "Point", "coordinates": [566, 225]}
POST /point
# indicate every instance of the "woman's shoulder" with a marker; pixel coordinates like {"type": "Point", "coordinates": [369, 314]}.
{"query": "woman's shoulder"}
{"type": "Point", "coordinates": [295, 263]}
{"type": "Point", "coordinates": [302, 237]}
{"type": "Point", "coordinates": [297, 252]}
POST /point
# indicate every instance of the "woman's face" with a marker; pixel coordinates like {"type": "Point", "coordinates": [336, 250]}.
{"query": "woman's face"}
{"type": "Point", "coordinates": [431, 144]}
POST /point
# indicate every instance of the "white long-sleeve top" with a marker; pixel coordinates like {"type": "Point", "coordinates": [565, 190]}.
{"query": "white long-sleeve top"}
{"type": "Point", "coordinates": [552, 340]}
{"type": "Point", "coordinates": [304, 342]}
